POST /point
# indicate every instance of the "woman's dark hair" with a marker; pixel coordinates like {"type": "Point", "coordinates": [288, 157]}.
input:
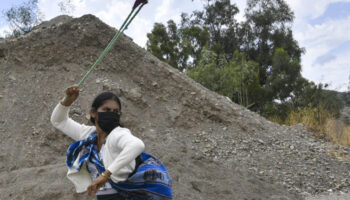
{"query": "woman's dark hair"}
{"type": "Point", "coordinates": [101, 99]}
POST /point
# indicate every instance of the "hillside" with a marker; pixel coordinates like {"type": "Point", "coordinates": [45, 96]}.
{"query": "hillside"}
{"type": "Point", "coordinates": [213, 148]}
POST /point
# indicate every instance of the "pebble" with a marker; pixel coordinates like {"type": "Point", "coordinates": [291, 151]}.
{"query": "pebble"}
{"type": "Point", "coordinates": [154, 84]}
{"type": "Point", "coordinates": [12, 78]}
{"type": "Point", "coordinates": [261, 141]}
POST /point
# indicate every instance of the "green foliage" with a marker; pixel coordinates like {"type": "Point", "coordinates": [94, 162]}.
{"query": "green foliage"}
{"type": "Point", "coordinates": [23, 18]}
{"type": "Point", "coordinates": [163, 43]}
{"type": "Point", "coordinates": [256, 63]}
{"type": "Point", "coordinates": [329, 100]}
{"type": "Point", "coordinates": [283, 76]}
{"type": "Point", "coordinates": [193, 39]}
{"type": "Point", "coordinates": [349, 84]}
{"type": "Point", "coordinates": [206, 72]}
{"type": "Point", "coordinates": [308, 97]}
{"type": "Point", "coordinates": [237, 79]}
{"type": "Point", "coordinates": [177, 46]}
{"type": "Point", "coordinates": [248, 91]}
{"type": "Point", "coordinates": [218, 17]}
{"type": "Point", "coordinates": [268, 26]}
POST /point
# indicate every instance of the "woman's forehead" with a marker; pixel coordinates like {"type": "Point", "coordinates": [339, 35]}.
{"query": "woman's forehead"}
{"type": "Point", "coordinates": [110, 104]}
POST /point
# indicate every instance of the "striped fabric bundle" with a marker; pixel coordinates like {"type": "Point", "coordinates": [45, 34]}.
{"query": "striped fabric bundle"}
{"type": "Point", "coordinates": [149, 181]}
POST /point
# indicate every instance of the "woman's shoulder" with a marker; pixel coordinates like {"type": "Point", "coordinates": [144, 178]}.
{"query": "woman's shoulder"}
{"type": "Point", "coordinates": [120, 136]}
{"type": "Point", "coordinates": [121, 130]}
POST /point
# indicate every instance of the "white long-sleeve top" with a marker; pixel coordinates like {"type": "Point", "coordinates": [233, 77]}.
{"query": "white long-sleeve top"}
{"type": "Point", "coordinates": [121, 149]}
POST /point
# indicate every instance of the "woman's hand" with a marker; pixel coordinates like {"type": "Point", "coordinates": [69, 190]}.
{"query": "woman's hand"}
{"type": "Point", "coordinates": [72, 94]}
{"type": "Point", "coordinates": [97, 183]}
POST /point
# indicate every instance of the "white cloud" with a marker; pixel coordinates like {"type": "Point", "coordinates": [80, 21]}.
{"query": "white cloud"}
{"type": "Point", "coordinates": [241, 4]}
{"type": "Point", "coordinates": [163, 10]}
{"type": "Point", "coordinates": [319, 40]}
{"type": "Point", "coordinates": [139, 30]}
{"type": "Point", "coordinates": [336, 72]}
{"type": "Point", "coordinates": [310, 9]}
{"type": "Point", "coordinates": [4, 30]}
{"type": "Point", "coordinates": [111, 15]}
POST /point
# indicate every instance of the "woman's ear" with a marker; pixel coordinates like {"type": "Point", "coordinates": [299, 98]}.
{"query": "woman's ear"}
{"type": "Point", "coordinates": [92, 113]}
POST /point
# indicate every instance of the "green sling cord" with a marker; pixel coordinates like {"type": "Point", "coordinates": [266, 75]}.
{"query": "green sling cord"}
{"type": "Point", "coordinates": [112, 42]}
{"type": "Point", "coordinates": [124, 26]}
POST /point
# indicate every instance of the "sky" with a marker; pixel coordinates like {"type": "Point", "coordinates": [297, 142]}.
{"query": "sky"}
{"type": "Point", "coordinates": [322, 27]}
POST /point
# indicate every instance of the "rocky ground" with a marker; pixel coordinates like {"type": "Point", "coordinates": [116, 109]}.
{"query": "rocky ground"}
{"type": "Point", "coordinates": [213, 148]}
{"type": "Point", "coordinates": [330, 196]}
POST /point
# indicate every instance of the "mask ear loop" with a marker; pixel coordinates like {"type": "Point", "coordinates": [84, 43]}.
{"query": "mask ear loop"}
{"type": "Point", "coordinates": [92, 119]}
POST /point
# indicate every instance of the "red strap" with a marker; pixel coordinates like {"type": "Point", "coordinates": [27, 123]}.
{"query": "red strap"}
{"type": "Point", "coordinates": [138, 2]}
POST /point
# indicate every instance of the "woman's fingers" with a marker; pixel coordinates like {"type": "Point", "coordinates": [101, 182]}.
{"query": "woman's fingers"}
{"type": "Point", "coordinates": [72, 90]}
{"type": "Point", "coordinates": [94, 187]}
{"type": "Point", "coordinates": [89, 189]}
{"type": "Point", "coordinates": [96, 184]}
{"type": "Point", "coordinates": [72, 94]}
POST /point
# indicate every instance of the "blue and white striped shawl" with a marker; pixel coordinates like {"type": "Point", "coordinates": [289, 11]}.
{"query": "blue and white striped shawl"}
{"type": "Point", "coordinates": [150, 180]}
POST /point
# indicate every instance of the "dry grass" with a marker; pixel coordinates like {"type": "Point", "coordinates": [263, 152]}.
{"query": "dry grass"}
{"type": "Point", "coordinates": [321, 122]}
{"type": "Point", "coordinates": [338, 132]}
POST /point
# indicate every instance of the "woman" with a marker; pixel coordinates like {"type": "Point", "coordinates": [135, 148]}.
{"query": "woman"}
{"type": "Point", "coordinates": [104, 146]}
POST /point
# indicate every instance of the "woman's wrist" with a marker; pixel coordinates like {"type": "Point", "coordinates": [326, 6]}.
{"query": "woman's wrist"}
{"type": "Point", "coordinates": [107, 174]}
{"type": "Point", "coordinates": [66, 103]}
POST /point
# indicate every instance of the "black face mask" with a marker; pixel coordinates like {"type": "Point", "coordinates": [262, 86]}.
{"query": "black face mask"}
{"type": "Point", "coordinates": [108, 121]}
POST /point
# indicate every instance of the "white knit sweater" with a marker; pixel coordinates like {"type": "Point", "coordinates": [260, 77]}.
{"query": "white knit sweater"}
{"type": "Point", "coordinates": [121, 149]}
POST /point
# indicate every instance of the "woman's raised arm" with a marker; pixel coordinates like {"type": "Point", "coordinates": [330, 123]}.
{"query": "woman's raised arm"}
{"type": "Point", "coordinates": [61, 120]}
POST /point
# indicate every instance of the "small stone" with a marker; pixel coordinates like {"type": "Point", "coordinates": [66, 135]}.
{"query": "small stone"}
{"type": "Point", "coordinates": [135, 94]}
{"type": "Point", "coordinates": [107, 86]}
{"type": "Point", "coordinates": [196, 185]}
{"type": "Point", "coordinates": [291, 147]}
{"type": "Point", "coordinates": [193, 93]}
{"type": "Point", "coordinates": [154, 84]}
{"type": "Point", "coordinates": [225, 128]}
{"type": "Point", "coordinates": [98, 81]}
{"type": "Point", "coordinates": [261, 141]}
{"type": "Point", "coordinates": [216, 158]}
{"type": "Point", "coordinates": [12, 78]}
{"type": "Point", "coordinates": [1, 96]}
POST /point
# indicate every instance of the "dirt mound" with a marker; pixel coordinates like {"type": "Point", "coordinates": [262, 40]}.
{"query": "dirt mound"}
{"type": "Point", "coordinates": [213, 148]}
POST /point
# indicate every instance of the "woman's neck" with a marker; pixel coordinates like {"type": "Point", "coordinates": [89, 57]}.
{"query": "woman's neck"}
{"type": "Point", "coordinates": [101, 137]}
